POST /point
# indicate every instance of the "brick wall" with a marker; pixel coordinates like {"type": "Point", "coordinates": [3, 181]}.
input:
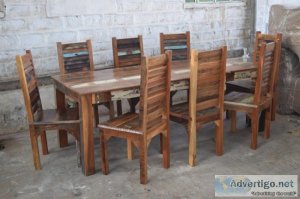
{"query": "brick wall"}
{"type": "Point", "coordinates": [26, 26]}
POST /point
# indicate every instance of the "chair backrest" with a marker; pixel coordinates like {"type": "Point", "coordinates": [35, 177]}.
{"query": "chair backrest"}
{"type": "Point", "coordinates": [266, 71]}
{"type": "Point", "coordinates": [128, 51]}
{"type": "Point", "coordinates": [155, 90]}
{"type": "Point", "coordinates": [29, 86]}
{"type": "Point", "coordinates": [73, 57]}
{"type": "Point", "coordinates": [178, 43]}
{"type": "Point", "coordinates": [261, 38]}
{"type": "Point", "coordinates": [207, 80]}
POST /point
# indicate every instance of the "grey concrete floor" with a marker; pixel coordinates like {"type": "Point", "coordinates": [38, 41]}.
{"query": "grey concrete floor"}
{"type": "Point", "coordinates": [61, 178]}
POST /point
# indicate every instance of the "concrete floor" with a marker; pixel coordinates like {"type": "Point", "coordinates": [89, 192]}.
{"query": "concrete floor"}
{"type": "Point", "coordinates": [61, 178]}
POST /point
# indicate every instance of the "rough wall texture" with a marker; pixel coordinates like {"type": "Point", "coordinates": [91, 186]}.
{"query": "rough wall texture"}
{"type": "Point", "coordinates": [263, 9]}
{"type": "Point", "coordinates": [26, 26]}
{"type": "Point", "coordinates": [286, 19]}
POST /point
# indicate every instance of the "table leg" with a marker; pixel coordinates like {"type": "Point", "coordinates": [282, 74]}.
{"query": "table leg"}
{"type": "Point", "coordinates": [61, 106]}
{"type": "Point", "coordinates": [87, 135]}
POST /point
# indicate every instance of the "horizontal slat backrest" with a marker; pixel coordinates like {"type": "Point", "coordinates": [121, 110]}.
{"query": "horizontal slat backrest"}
{"type": "Point", "coordinates": [128, 51]}
{"type": "Point", "coordinates": [266, 71]}
{"type": "Point", "coordinates": [178, 43]}
{"type": "Point", "coordinates": [29, 86]}
{"type": "Point", "coordinates": [155, 90]}
{"type": "Point", "coordinates": [207, 79]}
{"type": "Point", "coordinates": [259, 40]}
{"type": "Point", "coordinates": [75, 57]}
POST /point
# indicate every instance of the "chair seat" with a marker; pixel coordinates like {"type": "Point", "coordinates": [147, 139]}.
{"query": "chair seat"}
{"type": "Point", "coordinates": [244, 99]}
{"type": "Point", "coordinates": [52, 116]}
{"type": "Point", "coordinates": [241, 85]}
{"type": "Point", "coordinates": [129, 123]}
{"type": "Point", "coordinates": [182, 111]}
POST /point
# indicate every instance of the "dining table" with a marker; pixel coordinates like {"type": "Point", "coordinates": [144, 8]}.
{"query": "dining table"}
{"type": "Point", "coordinates": [119, 83]}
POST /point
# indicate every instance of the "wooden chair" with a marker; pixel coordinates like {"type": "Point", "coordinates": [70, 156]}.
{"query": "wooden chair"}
{"type": "Point", "coordinates": [262, 98]}
{"type": "Point", "coordinates": [248, 85]}
{"type": "Point", "coordinates": [76, 57]}
{"type": "Point", "coordinates": [127, 52]}
{"type": "Point", "coordinates": [206, 98]}
{"type": "Point", "coordinates": [178, 43]}
{"type": "Point", "coordinates": [153, 118]}
{"type": "Point", "coordinates": [180, 46]}
{"type": "Point", "coordinates": [39, 119]}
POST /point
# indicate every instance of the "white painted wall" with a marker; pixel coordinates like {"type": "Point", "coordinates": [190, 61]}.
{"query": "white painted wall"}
{"type": "Point", "coordinates": [27, 26]}
{"type": "Point", "coordinates": [263, 8]}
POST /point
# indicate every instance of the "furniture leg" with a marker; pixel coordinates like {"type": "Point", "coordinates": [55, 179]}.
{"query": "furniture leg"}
{"type": "Point", "coordinates": [166, 148]}
{"type": "Point", "coordinates": [254, 128]}
{"type": "Point", "coordinates": [192, 143]}
{"type": "Point", "coordinates": [87, 135]}
{"type": "Point", "coordinates": [35, 148]}
{"type": "Point", "coordinates": [232, 121]}
{"type": "Point", "coordinates": [129, 150]}
{"type": "Point", "coordinates": [104, 158]}
{"type": "Point", "coordinates": [268, 118]}
{"type": "Point", "coordinates": [219, 137]}
{"type": "Point", "coordinates": [143, 162]}
{"type": "Point", "coordinates": [96, 114]}
{"type": "Point", "coordinates": [119, 107]}
{"type": "Point", "coordinates": [44, 143]}
{"type": "Point", "coordinates": [61, 106]}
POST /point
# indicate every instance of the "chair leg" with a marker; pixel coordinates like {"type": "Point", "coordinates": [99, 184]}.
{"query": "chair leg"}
{"type": "Point", "coordinates": [219, 137]}
{"type": "Point", "coordinates": [232, 121]}
{"type": "Point", "coordinates": [44, 143]}
{"type": "Point", "coordinates": [104, 158]}
{"type": "Point", "coordinates": [254, 128]}
{"type": "Point", "coordinates": [132, 103]}
{"type": "Point", "coordinates": [129, 150]}
{"type": "Point", "coordinates": [161, 143]}
{"type": "Point", "coordinates": [143, 162]}
{"type": "Point", "coordinates": [119, 107]}
{"type": "Point", "coordinates": [78, 153]}
{"type": "Point", "coordinates": [111, 110]}
{"type": "Point", "coordinates": [192, 144]}
{"type": "Point", "coordinates": [35, 148]}
{"type": "Point", "coordinates": [166, 148]}
{"type": "Point", "coordinates": [268, 118]}
{"type": "Point", "coordinates": [96, 114]}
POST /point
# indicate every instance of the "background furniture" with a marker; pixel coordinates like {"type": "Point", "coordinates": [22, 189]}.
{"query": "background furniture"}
{"type": "Point", "coordinates": [153, 118]}
{"type": "Point", "coordinates": [180, 45]}
{"type": "Point", "coordinates": [248, 85]}
{"type": "Point", "coordinates": [40, 120]}
{"type": "Point", "coordinates": [206, 100]}
{"type": "Point", "coordinates": [252, 104]}
{"type": "Point", "coordinates": [78, 57]}
{"type": "Point", "coordinates": [127, 52]}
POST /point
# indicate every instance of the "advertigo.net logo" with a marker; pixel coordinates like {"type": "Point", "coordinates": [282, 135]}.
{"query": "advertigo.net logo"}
{"type": "Point", "coordinates": [256, 185]}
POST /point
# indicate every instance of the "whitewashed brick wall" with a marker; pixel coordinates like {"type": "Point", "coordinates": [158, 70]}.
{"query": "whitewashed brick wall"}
{"type": "Point", "coordinates": [263, 9]}
{"type": "Point", "coordinates": [26, 26]}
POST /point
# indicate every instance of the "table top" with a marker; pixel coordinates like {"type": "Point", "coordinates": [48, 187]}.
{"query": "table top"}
{"type": "Point", "coordinates": [89, 82]}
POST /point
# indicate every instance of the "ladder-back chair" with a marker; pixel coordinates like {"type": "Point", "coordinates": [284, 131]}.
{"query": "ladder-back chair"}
{"type": "Point", "coordinates": [153, 117]}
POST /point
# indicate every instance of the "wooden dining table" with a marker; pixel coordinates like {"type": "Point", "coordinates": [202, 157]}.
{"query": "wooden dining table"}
{"type": "Point", "coordinates": [83, 86]}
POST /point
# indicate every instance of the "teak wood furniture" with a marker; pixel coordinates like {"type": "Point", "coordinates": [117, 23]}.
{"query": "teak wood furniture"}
{"type": "Point", "coordinates": [262, 98]}
{"type": "Point", "coordinates": [40, 120]}
{"type": "Point", "coordinates": [180, 44]}
{"type": "Point", "coordinates": [127, 52]}
{"type": "Point", "coordinates": [153, 117]}
{"type": "Point", "coordinates": [83, 85]}
{"type": "Point", "coordinates": [248, 85]}
{"type": "Point", "coordinates": [206, 100]}
{"type": "Point", "coordinates": [74, 57]}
